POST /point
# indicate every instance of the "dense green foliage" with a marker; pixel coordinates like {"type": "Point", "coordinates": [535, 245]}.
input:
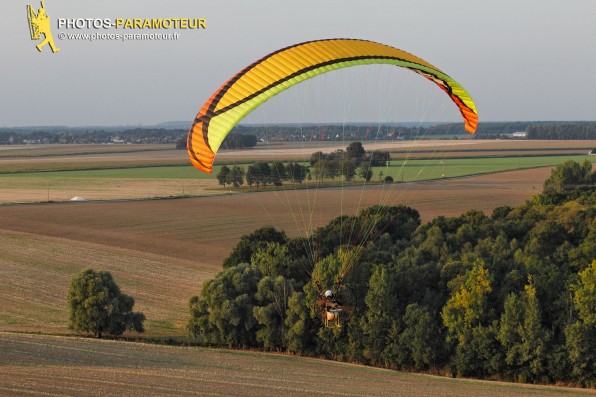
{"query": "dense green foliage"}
{"type": "Point", "coordinates": [97, 306]}
{"type": "Point", "coordinates": [507, 296]}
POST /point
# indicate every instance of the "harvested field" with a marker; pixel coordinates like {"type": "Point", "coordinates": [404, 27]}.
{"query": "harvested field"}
{"type": "Point", "coordinates": [182, 228]}
{"type": "Point", "coordinates": [36, 272]}
{"type": "Point", "coordinates": [47, 365]}
{"type": "Point", "coordinates": [43, 187]}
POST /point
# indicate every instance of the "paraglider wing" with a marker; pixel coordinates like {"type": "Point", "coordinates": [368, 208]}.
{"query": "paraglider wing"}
{"type": "Point", "coordinates": [284, 68]}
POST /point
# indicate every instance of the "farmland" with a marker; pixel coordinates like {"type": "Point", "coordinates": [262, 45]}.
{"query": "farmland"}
{"type": "Point", "coordinates": [43, 245]}
{"type": "Point", "coordinates": [107, 172]}
{"type": "Point", "coordinates": [86, 367]}
{"type": "Point", "coordinates": [161, 251]}
{"type": "Point", "coordinates": [183, 242]}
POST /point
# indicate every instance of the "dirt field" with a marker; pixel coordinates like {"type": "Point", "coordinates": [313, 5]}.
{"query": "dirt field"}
{"type": "Point", "coordinates": [50, 366]}
{"type": "Point", "coordinates": [182, 228]}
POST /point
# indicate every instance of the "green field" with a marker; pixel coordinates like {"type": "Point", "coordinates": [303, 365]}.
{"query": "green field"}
{"type": "Point", "coordinates": [417, 170]}
{"type": "Point", "coordinates": [412, 170]}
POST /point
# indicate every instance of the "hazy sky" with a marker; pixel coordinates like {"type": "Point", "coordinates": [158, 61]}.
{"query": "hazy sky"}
{"type": "Point", "coordinates": [519, 59]}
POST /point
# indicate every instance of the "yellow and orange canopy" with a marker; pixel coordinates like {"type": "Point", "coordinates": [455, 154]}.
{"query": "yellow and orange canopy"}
{"type": "Point", "coordinates": [284, 68]}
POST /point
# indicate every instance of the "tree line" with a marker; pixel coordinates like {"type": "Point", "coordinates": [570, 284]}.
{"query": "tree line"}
{"type": "Point", "coordinates": [349, 163]}
{"type": "Point", "coordinates": [246, 136]}
{"type": "Point", "coordinates": [579, 130]}
{"type": "Point", "coordinates": [510, 296]}
{"type": "Point", "coordinates": [407, 131]}
{"type": "Point", "coordinates": [262, 173]}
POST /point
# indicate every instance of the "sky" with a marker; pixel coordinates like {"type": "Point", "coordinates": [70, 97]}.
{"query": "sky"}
{"type": "Point", "coordinates": [520, 60]}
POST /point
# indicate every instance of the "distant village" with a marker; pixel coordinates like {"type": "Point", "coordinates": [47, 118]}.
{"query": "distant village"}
{"type": "Point", "coordinates": [584, 130]}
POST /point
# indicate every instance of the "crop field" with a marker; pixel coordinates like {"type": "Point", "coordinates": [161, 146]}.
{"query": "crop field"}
{"type": "Point", "coordinates": [68, 366]}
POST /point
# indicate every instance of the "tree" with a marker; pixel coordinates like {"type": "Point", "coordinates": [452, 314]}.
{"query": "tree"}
{"type": "Point", "coordinates": [380, 316]}
{"type": "Point", "coordinates": [420, 338]}
{"type": "Point", "coordinates": [568, 176]}
{"type": "Point", "coordinates": [270, 311]}
{"type": "Point", "coordinates": [466, 308]}
{"type": "Point", "coordinates": [300, 335]}
{"type": "Point", "coordinates": [316, 157]}
{"type": "Point", "coordinates": [581, 335]}
{"type": "Point", "coordinates": [465, 316]}
{"type": "Point", "coordinates": [331, 169]}
{"type": "Point", "coordinates": [251, 243]}
{"type": "Point", "coordinates": [355, 151]}
{"type": "Point", "coordinates": [365, 171]}
{"type": "Point", "coordinates": [273, 259]}
{"type": "Point", "coordinates": [379, 158]}
{"type": "Point", "coordinates": [251, 176]}
{"type": "Point", "coordinates": [584, 298]}
{"type": "Point", "coordinates": [223, 175]}
{"type": "Point", "coordinates": [263, 173]}
{"type": "Point", "coordinates": [224, 311]}
{"type": "Point", "coordinates": [296, 172]}
{"type": "Point", "coordinates": [278, 173]}
{"type": "Point", "coordinates": [236, 176]}
{"type": "Point", "coordinates": [522, 335]}
{"type": "Point", "coordinates": [319, 169]}
{"type": "Point", "coordinates": [347, 169]}
{"type": "Point", "coordinates": [97, 306]}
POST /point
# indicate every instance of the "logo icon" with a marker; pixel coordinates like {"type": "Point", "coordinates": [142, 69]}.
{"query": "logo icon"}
{"type": "Point", "coordinates": [39, 23]}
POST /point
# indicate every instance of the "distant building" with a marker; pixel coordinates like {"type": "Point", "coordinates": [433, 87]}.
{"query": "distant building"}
{"type": "Point", "coordinates": [516, 135]}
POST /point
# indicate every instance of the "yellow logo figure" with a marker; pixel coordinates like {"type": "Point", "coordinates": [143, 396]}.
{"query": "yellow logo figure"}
{"type": "Point", "coordinates": [40, 24]}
